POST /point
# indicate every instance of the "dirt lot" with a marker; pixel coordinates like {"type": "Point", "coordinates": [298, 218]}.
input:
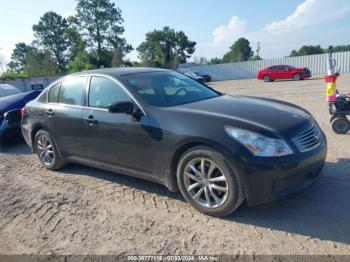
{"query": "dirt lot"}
{"type": "Point", "coordinates": [81, 210]}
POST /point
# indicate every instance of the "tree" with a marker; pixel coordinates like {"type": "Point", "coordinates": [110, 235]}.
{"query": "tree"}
{"type": "Point", "coordinates": [19, 57]}
{"type": "Point", "coordinates": [308, 50]}
{"type": "Point", "coordinates": [215, 61]}
{"type": "Point", "coordinates": [50, 33]}
{"type": "Point", "coordinates": [165, 48]}
{"type": "Point", "coordinates": [39, 63]}
{"type": "Point", "coordinates": [293, 53]}
{"type": "Point", "coordinates": [239, 51]}
{"type": "Point", "coordinates": [117, 60]}
{"type": "Point", "coordinates": [101, 23]}
{"type": "Point", "coordinates": [75, 38]}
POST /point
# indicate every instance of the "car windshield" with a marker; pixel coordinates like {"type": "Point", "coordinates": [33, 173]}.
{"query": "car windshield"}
{"type": "Point", "coordinates": [8, 90]}
{"type": "Point", "coordinates": [165, 89]}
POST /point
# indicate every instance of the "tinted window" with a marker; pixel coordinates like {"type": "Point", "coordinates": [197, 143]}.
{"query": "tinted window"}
{"type": "Point", "coordinates": [169, 88]}
{"type": "Point", "coordinates": [274, 68]}
{"type": "Point", "coordinates": [53, 93]}
{"type": "Point", "coordinates": [104, 92]}
{"type": "Point", "coordinates": [71, 91]}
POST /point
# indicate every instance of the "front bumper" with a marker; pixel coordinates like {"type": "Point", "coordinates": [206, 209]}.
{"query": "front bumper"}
{"type": "Point", "coordinates": [267, 180]}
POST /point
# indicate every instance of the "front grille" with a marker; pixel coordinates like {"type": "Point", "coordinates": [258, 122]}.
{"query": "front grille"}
{"type": "Point", "coordinates": [308, 139]}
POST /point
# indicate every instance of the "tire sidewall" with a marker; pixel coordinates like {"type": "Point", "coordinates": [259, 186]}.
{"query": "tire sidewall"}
{"type": "Point", "coordinates": [266, 78]}
{"type": "Point", "coordinates": [297, 77]}
{"type": "Point", "coordinates": [57, 160]}
{"type": "Point", "coordinates": [336, 122]}
{"type": "Point", "coordinates": [235, 194]}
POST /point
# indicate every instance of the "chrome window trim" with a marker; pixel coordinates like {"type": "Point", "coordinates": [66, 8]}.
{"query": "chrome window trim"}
{"type": "Point", "coordinates": [118, 83]}
{"type": "Point", "coordinates": [87, 89]}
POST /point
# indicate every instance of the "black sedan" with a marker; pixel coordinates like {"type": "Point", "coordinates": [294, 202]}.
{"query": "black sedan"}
{"type": "Point", "coordinates": [156, 124]}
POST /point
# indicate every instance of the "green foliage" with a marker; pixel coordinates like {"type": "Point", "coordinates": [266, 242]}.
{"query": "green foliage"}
{"type": "Point", "coordinates": [80, 63]}
{"type": "Point", "coordinates": [215, 61]}
{"type": "Point", "coordinates": [254, 58]}
{"type": "Point", "coordinates": [40, 63]}
{"type": "Point", "coordinates": [50, 33]}
{"type": "Point", "coordinates": [101, 23]}
{"type": "Point", "coordinates": [11, 74]}
{"type": "Point", "coordinates": [165, 48]}
{"type": "Point", "coordinates": [313, 50]}
{"type": "Point", "coordinates": [19, 57]}
{"type": "Point", "coordinates": [239, 51]}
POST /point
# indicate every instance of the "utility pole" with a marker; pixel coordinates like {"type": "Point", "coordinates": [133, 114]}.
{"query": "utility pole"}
{"type": "Point", "coordinates": [258, 49]}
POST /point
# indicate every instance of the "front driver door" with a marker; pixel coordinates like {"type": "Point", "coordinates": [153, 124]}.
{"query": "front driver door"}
{"type": "Point", "coordinates": [113, 138]}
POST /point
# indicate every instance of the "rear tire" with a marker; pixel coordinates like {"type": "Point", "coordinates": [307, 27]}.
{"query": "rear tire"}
{"type": "Point", "coordinates": [297, 77]}
{"type": "Point", "coordinates": [47, 152]}
{"type": "Point", "coordinates": [341, 125]}
{"type": "Point", "coordinates": [216, 190]}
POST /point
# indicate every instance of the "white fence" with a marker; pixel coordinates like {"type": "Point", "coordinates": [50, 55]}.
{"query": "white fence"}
{"type": "Point", "coordinates": [245, 70]}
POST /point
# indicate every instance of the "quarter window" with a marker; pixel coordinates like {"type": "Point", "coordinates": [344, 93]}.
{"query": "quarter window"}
{"type": "Point", "coordinates": [53, 93]}
{"type": "Point", "coordinates": [104, 92]}
{"type": "Point", "coordinates": [71, 91]}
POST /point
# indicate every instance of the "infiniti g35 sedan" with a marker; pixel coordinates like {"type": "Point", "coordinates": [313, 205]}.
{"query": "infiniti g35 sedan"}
{"type": "Point", "coordinates": [160, 125]}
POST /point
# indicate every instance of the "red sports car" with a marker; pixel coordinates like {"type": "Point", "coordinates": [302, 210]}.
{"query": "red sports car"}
{"type": "Point", "coordinates": [283, 72]}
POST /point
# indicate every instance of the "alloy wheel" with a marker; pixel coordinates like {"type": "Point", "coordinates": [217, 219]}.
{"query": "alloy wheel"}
{"type": "Point", "coordinates": [45, 150]}
{"type": "Point", "coordinates": [206, 183]}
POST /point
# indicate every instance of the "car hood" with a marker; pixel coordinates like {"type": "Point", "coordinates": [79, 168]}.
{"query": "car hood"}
{"type": "Point", "coordinates": [17, 101]}
{"type": "Point", "coordinates": [270, 114]}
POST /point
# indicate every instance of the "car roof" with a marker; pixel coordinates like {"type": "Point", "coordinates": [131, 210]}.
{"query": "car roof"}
{"type": "Point", "coordinates": [121, 71]}
{"type": "Point", "coordinates": [8, 86]}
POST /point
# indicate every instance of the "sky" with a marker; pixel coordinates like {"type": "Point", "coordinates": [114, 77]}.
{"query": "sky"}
{"type": "Point", "coordinates": [279, 26]}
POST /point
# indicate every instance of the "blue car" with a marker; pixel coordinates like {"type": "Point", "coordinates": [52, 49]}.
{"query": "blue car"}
{"type": "Point", "coordinates": [11, 102]}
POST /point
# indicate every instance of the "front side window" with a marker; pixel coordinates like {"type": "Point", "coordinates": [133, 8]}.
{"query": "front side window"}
{"type": "Point", "coordinates": [53, 93]}
{"type": "Point", "coordinates": [71, 91]}
{"type": "Point", "coordinates": [105, 92]}
{"type": "Point", "coordinates": [169, 88]}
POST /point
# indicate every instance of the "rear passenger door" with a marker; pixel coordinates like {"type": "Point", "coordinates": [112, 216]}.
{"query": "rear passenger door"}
{"type": "Point", "coordinates": [64, 115]}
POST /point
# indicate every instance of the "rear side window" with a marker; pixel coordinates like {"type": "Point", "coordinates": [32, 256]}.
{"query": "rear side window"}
{"type": "Point", "coordinates": [71, 91]}
{"type": "Point", "coordinates": [104, 92]}
{"type": "Point", "coordinates": [53, 93]}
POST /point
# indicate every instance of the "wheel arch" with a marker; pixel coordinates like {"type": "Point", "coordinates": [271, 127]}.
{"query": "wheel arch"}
{"type": "Point", "coordinates": [184, 146]}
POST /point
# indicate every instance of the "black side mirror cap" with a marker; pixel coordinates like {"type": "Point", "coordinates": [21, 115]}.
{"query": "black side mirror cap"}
{"type": "Point", "coordinates": [123, 107]}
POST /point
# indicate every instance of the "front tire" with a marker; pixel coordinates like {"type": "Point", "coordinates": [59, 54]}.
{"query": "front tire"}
{"type": "Point", "coordinates": [267, 78]}
{"type": "Point", "coordinates": [47, 152]}
{"type": "Point", "coordinates": [208, 182]}
{"type": "Point", "coordinates": [341, 125]}
{"type": "Point", "coordinates": [297, 77]}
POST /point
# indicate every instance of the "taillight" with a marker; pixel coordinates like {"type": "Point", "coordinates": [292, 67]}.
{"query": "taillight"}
{"type": "Point", "coordinates": [23, 111]}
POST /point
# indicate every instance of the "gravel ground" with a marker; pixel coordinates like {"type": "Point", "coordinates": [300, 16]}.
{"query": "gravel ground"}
{"type": "Point", "coordinates": [81, 210]}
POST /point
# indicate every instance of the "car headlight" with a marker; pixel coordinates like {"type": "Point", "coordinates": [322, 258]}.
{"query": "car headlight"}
{"type": "Point", "coordinates": [258, 144]}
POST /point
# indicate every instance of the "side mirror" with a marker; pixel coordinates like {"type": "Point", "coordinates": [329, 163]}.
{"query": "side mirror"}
{"type": "Point", "coordinates": [123, 107]}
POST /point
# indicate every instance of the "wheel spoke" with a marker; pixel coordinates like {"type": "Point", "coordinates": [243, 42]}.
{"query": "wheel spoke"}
{"type": "Point", "coordinates": [218, 179]}
{"type": "Point", "coordinates": [196, 171]}
{"type": "Point", "coordinates": [193, 186]}
{"type": "Point", "coordinates": [211, 168]}
{"type": "Point", "coordinates": [49, 146]}
{"type": "Point", "coordinates": [219, 188]}
{"type": "Point", "coordinates": [199, 193]}
{"type": "Point", "coordinates": [212, 193]}
{"type": "Point", "coordinates": [42, 153]}
{"type": "Point", "coordinates": [206, 193]}
{"type": "Point", "coordinates": [203, 167]}
{"type": "Point", "coordinates": [193, 177]}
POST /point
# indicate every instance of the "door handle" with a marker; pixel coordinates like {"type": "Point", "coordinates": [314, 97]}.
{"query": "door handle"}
{"type": "Point", "coordinates": [91, 119]}
{"type": "Point", "coordinates": [49, 112]}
